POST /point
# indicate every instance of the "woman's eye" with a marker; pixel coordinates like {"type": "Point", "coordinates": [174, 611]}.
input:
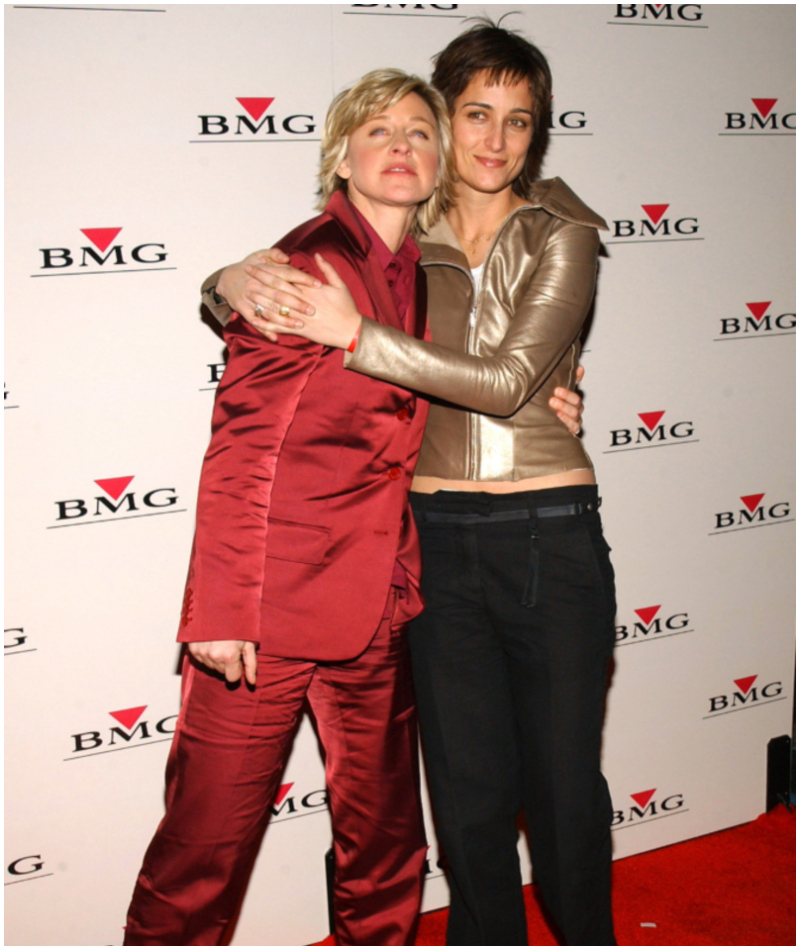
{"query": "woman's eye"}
{"type": "Point", "coordinates": [378, 130]}
{"type": "Point", "coordinates": [420, 133]}
{"type": "Point", "coordinates": [476, 115]}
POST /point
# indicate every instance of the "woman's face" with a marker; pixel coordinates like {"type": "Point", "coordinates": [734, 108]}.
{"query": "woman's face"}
{"type": "Point", "coordinates": [393, 158]}
{"type": "Point", "coordinates": [492, 130]}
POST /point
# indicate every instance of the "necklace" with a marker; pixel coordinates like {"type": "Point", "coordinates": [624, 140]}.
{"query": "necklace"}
{"type": "Point", "coordinates": [472, 244]}
{"type": "Point", "coordinates": [474, 247]}
{"type": "Point", "coordinates": [481, 237]}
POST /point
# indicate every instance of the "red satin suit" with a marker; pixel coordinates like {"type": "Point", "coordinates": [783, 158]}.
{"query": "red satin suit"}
{"type": "Point", "coordinates": [302, 516]}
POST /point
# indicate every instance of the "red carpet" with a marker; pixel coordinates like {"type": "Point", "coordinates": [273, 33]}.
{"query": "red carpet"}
{"type": "Point", "coordinates": [731, 889]}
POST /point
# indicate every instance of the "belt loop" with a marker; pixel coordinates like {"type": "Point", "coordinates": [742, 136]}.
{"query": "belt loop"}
{"type": "Point", "coordinates": [532, 585]}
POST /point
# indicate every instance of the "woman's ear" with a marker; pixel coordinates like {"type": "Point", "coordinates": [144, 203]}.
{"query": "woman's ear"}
{"type": "Point", "coordinates": [344, 171]}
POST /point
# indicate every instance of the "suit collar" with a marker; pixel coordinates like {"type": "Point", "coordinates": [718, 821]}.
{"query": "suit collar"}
{"type": "Point", "coordinates": [363, 236]}
{"type": "Point", "coordinates": [341, 210]}
{"type": "Point", "coordinates": [344, 213]}
{"type": "Point", "coordinates": [408, 248]}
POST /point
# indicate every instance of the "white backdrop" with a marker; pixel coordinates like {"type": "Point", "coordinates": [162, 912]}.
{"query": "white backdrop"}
{"type": "Point", "coordinates": [109, 386]}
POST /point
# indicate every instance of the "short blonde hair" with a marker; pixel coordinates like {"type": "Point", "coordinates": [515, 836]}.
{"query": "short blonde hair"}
{"type": "Point", "coordinates": [378, 90]}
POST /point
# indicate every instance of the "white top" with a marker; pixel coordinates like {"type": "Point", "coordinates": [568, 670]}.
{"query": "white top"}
{"type": "Point", "coordinates": [477, 277]}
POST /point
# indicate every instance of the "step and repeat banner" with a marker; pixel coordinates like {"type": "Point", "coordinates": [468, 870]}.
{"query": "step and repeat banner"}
{"type": "Point", "coordinates": [148, 145]}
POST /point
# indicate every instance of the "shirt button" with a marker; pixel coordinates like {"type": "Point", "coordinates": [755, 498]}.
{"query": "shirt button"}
{"type": "Point", "coordinates": [402, 415]}
{"type": "Point", "coordinates": [390, 283]}
{"type": "Point", "coordinates": [394, 473]}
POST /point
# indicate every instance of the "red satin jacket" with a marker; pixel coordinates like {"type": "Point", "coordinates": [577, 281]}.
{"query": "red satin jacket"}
{"type": "Point", "coordinates": [303, 500]}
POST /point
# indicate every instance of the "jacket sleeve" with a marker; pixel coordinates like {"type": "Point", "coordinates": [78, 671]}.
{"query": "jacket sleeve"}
{"type": "Point", "coordinates": [546, 322]}
{"type": "Point", "coordinates": [217, 305]}
{"type": "Point", "coordinates": [256, 402]}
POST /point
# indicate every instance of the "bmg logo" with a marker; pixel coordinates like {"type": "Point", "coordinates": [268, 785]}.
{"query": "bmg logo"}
{"type": "Point", "coordinates": [647, 807]}
{"type": "Point", "coordinates": [30, 867]}
{"type": "Point", "coordinates": [753, 515]}
{"type": "Point", "coordinates": [746, 696]}
{"type": "Point", "coordinates": [659, 14]}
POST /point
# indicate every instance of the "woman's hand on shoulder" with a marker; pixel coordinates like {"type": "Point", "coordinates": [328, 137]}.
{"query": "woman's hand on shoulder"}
{"type": "Point", "coordinates": [325, 313]}
{"type": "Point", "coordinates": [263, 282]}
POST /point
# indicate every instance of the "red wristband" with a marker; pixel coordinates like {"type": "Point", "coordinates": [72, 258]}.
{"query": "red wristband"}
{"type": "Point", "coordinates": [354, 341]}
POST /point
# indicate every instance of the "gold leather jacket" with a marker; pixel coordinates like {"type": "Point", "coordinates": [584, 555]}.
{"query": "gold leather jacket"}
{"type": "Point", "coordinates": [499, 349]}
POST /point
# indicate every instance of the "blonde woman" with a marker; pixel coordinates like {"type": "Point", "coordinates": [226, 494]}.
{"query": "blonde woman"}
{"type": "Point", "coordinates": [305, 566]}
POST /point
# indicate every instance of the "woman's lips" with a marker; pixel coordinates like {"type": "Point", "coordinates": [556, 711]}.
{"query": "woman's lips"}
{"type": "Point", "coordinates": [399, 170]}
{"type": "Point", "coordinates": [491, 162]}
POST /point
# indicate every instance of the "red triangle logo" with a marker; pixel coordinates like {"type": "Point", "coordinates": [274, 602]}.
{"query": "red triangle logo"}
{"type": "Point", "coordinates": [746, 682]}
{"type": "Point", "coordinates": [255, 108]}
{"type": "Point", "coordinates": [101, 237]}
{"type": "Point", "coordinates": [651, 419]}
{"type": "Point", "coordinates": [751, 501]}
{"type": "Point", "coordinates": [654, 212]}
{"type": "Point", "coordinates": [128, 717]}
{"type": "Point", "coordinates": [758, 309]}
{"type": "Point", "coordinates": [646, 614]}
{"type": "Point", "coordinates": [642, 798]}
{"type": "Point", "coordinates": [284, 789]}
{"type": "Point", "coordinates": [114, 486]}
{"type": "Point", "coordinates": [764, 106]}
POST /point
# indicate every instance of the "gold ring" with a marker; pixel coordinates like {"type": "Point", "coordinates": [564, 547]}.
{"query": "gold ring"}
{"type": "Point", "coordinates": [284, 311]}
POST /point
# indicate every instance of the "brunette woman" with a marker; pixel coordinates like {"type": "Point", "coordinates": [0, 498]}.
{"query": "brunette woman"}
{"type": "Point", "coordinates": [305, 565]}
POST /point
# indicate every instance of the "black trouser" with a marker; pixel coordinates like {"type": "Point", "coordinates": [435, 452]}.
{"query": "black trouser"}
{"type": "Point", "coordinates": [510, 661]}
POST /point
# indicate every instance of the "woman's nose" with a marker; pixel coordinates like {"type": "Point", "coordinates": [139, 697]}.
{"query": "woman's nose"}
{"type": "Point", "coordinates": [495, 138]}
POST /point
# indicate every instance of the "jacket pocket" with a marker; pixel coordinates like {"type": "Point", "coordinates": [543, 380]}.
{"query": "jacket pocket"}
{"type": "Point", "coordinates": [290, 541]}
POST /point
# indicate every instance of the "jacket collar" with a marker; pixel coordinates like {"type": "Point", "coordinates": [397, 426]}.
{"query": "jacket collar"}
{"type": "Point", "coordinates": [556, 197]}
{"type": "Point", "coordinates": [441, 245]}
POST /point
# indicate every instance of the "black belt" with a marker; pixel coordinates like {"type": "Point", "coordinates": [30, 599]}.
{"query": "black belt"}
{"type": "Point", "coordinates": [556, 511]}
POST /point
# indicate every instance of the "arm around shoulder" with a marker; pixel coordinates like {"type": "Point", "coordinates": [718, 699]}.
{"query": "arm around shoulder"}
{"type": "Point", "coordinates": [545, 323]}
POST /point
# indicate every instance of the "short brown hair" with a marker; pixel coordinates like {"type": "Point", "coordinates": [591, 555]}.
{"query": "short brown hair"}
{"type": "Point", "coordinates": [381, 89]}
{"type": "Point", "coordinates": [507, 57]}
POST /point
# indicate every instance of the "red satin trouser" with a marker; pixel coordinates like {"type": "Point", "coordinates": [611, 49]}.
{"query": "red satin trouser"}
{"type": "Point", "coordinates": [223, 772]}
